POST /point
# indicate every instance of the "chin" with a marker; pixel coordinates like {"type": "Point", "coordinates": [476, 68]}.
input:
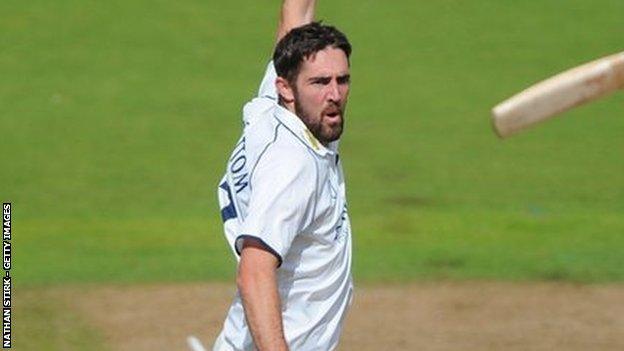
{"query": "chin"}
{"type": "Point", "coordinates": [333, 137]}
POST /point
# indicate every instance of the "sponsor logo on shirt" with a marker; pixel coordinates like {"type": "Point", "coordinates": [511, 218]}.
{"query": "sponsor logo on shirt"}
{"type": "Point", "coordinates": [340, 228]}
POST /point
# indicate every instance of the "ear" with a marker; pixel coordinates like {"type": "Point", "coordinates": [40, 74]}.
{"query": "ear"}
{"type": "Point", "coordinates": [284, 90]}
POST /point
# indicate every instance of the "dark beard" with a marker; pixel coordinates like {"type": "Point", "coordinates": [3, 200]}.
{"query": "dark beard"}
{"type": "Point", "coordinates": [317, 128]}
{"type": "Point", "coordinates": [314, 128]}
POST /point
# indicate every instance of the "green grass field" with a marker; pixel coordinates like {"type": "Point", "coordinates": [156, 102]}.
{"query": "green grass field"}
{"type": "Point", "coordinates": [117, 119]}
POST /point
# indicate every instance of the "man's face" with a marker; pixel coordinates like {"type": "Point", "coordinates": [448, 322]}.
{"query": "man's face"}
{"type": "Point", "coordinates": [321, 91]}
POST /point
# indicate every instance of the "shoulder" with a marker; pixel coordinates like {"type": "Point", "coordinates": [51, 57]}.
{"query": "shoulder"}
{"type": "Point", "coordinates": [290, 150]}
{"type": "Point", "coordinates": [280, 153]}
{"type": "Point", "coordinates": [257, 109]}
{"type": "Point", "coordinates": [271, 136]}
{"type": "Point", "coordinates": [263, 131]}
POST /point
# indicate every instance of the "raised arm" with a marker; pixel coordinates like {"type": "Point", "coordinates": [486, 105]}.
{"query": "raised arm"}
{"type": "Point", "coordinates": [295, 13]}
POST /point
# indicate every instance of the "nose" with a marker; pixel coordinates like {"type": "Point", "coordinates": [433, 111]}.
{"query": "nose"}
{"type": "Point", "coordinates": [334, 92]}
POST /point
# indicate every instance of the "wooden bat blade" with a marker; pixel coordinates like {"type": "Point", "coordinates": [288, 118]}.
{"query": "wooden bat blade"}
{"type": "Point", "coordinates": [559, 93]}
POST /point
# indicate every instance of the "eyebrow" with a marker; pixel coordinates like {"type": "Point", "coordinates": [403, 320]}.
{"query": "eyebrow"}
{"type": "Point", "coordinates": [323, 79]}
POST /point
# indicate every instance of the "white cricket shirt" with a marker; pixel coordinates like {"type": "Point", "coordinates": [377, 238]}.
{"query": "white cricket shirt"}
{"type": "Point", "coordinates": [286, 189]}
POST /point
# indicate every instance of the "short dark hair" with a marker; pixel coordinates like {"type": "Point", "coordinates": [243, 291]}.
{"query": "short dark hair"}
{"type": "Point", "coordinates": [302, 42]}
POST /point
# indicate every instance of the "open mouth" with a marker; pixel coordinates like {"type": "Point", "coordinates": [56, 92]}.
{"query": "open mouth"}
{"type": "Point", "coordinates": [332, 112]}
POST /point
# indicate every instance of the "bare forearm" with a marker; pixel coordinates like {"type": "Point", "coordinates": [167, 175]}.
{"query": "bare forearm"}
{"type": "Point", "coordinates": [295, 13]}
{"type": "Point", "coordinates": [258, 289]}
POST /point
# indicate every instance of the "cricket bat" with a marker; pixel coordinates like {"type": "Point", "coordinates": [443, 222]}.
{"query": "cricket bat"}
{"type": "Point", "coordinates": [559, 93]}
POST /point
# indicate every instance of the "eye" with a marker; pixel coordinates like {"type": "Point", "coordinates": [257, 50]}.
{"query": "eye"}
{"type": "Point", "coordinates": [344, 79]}
{"type": "Point", "coordinates": [321, 81]}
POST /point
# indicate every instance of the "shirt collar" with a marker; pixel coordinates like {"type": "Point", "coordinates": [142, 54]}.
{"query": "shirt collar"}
{"type": "Point", "coordinates": [297, 127]}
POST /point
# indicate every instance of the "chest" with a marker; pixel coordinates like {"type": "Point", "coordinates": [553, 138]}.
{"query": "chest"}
{"type": "Point", "coordinates": [330, 215]}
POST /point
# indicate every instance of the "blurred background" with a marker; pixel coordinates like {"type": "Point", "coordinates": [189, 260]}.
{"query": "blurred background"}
{"type": "Point", "coordinates": [117, 119]}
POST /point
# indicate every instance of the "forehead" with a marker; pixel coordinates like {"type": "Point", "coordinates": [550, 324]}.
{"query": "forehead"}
{"type": "Point", "coordinates": [327, 62]}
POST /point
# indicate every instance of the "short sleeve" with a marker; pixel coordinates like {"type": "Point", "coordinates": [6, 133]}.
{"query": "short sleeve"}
{"type": "Point", "coordinates": [282, 200]}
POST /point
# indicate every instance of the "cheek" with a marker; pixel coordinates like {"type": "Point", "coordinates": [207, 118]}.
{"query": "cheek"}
{"type": "Point", "coordinates": [320, 96]}
{"type": "Point", "coordinates": [315, 99]}
{"type": "Point", "coordinates": [345, 92]}
{"type": "Point", "coordinates": [311, 103]}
